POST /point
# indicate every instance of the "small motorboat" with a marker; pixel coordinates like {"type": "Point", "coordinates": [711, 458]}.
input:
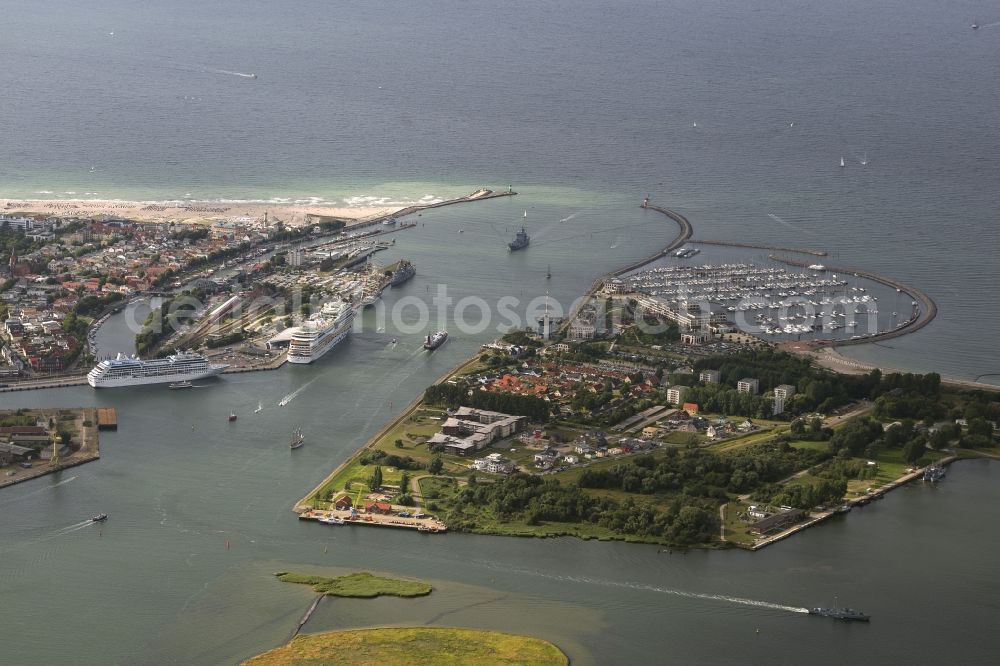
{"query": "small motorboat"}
{"type": "Point", "coordinates": [232, 416]}
{"type": "Point", "coordinates": [99, 518]}
{"type": "Point", "coordinates": [180, 385]}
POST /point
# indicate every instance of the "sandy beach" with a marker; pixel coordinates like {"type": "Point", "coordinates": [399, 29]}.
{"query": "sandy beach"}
{"type": "Point", "coordinates": [189, 212]}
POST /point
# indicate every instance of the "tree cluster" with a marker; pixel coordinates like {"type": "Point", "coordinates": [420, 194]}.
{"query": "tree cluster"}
{"type": "Point", "coordinates": [460, 394]}
{"type": "Point", "coordinates": [536, 500]}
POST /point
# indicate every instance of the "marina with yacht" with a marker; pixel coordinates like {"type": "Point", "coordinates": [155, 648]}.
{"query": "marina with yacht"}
{"type": "Point", "coordinates": [771, 300]}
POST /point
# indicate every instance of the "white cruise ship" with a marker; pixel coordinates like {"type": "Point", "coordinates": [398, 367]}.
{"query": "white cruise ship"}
{"type": "Point", "coordinates": [321, 332]}
{"type": "Point", "coordinates": [132, 371]}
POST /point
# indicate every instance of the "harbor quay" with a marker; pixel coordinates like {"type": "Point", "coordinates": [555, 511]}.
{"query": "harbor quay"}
{"type": "Point", "coordinates": [375, 518]}
{"type": "Point", "coordinates": [36, 442]}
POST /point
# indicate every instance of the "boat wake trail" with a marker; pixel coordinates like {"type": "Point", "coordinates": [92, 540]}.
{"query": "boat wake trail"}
{"type": "Point", "coordinates": [38, 490]}
{"type": "Point", "coordinates": [73, 528]}
{"type": "Point", "coordinates": [291, 396]}
{"type": "Point", "coordinates": [230, 73]}
{"type": "Point", "coordinates": [788, 224]}
{"type": "Point", "coordinates": [665, 590]}
{"type": "Point", "coordinates": [569, 217]}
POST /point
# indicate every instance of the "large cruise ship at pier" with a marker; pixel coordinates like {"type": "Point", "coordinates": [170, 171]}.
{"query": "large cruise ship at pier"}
{"type": "Point", "coordinates": [321, 332]}
{"type": "Point", "coordinates": [132, 371]}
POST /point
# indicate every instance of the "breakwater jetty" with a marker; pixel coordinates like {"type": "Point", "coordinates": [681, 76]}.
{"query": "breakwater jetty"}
{"type": "Point", "coordinates": [758, 246]}
{"type": "Point", "coordinates": [927, 308]}
{"type": "Point", "coordinates": [481, 194]}
{"type": "Point", "coordinates": [684, 233]}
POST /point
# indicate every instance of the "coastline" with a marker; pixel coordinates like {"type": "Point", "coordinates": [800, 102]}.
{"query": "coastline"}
{"type": "Point", "coordinates": [302, 507]}
{"type": "Point", "coordinates": [206, 211]}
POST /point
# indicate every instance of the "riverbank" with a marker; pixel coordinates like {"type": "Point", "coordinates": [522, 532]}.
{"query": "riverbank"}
{"type": "Point", "coordinates": [873, 494]}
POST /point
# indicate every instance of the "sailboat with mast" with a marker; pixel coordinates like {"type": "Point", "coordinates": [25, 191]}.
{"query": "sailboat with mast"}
{"type": "Point", "coordinates": [842, 165]}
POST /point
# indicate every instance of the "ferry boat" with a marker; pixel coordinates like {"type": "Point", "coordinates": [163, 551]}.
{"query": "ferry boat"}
{"type": "Point", "coordinates": [180, 385]}
{"type": "Point", "coordinates": [298, 439]}
{"type": "Point", "coordinates": [321, 332]}
{"type": "Point", "coordinates": [434, 341]}
{"type": "Point", "coordinates": [132, 371]}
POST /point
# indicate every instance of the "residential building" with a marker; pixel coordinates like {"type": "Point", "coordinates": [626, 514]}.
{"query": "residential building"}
{"type": "Point", "coordinates": [494, 463]}
{"type": "Point", "coordinates": [675, 394]}
{"type": "Point", "coordinates": [782, 393]}
{"type": "Point", "coordinates": [709, 376]}
{"type": "Point", "coordinates": [748, 385]}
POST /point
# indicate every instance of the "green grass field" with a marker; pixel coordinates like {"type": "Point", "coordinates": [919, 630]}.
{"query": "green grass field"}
{"type": "Point", "coordinates": [362, 584]}
{"type": "Point", "coordinates": [416, 646]}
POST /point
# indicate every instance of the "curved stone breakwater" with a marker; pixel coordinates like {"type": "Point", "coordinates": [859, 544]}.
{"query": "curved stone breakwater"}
{"type": "Point", "coordinates": [926, 314]}
{"type": "Point", "coordinates": [927, 307]}
{"type": "Point", "coordinates": [682, 237]}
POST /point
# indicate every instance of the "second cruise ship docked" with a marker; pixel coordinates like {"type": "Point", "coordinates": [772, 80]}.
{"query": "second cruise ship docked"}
{"type": "Point", "coordinates": [132, 371]}
{"type": "Point", "coordinates": [321, 332]}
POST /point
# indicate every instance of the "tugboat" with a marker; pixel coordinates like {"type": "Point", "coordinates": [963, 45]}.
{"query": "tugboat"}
{"type": "Point", "coordinates": [845, 614]}
{"type": "Point", "coordinates": [99, 518]}
{"type": "Point", "coordinates": [298, 439]}
{"type": "Point", "coordinates": [232, 416]}
{"type": "Point", "coordinates": [520, 241]}
{"type": "Point", "coordinates": [434, 341]}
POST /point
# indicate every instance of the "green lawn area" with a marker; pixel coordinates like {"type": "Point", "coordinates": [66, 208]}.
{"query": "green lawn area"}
{"type": "Point", "coordinates": [416, 646]}
{"type": "Point", "coordinates": [736, 529]}
{"type": "Point", "coordinates": [891, 466]}
{"type": "Point", "coordinates": [361, 584]}
{"type": "Point", "coordinates": [420, 425]}
{"type": "Point", "coordinates": [742, 440]}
